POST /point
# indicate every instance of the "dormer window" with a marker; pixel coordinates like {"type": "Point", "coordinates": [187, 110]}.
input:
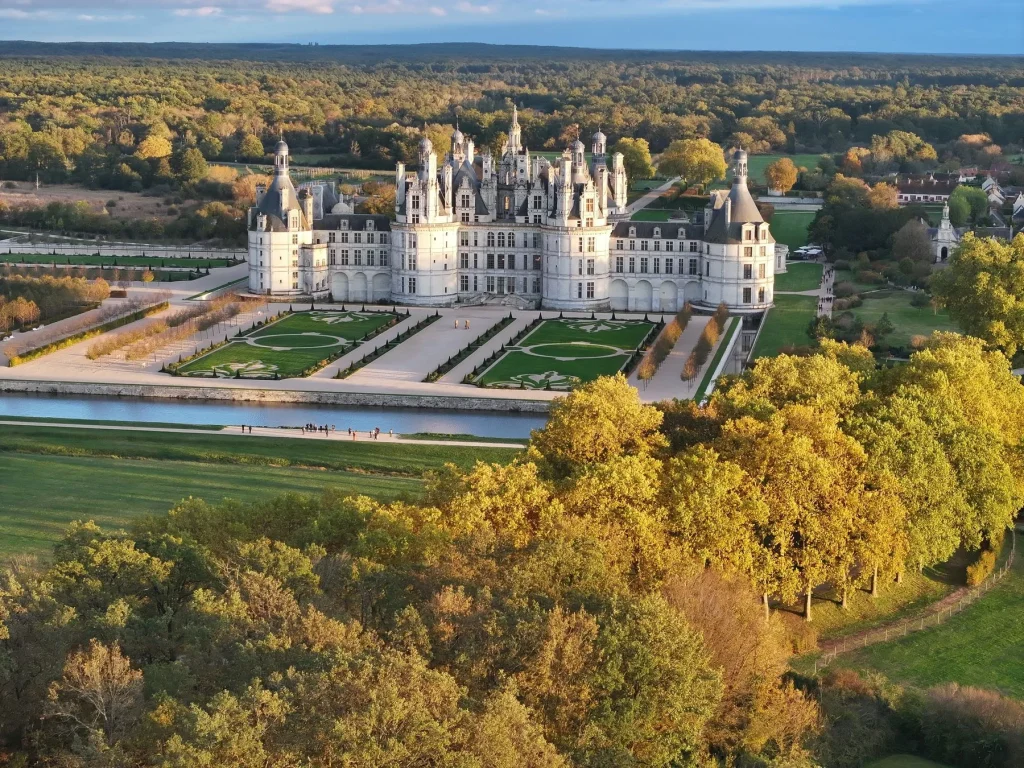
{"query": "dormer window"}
{"type": "Point", "coordinates": [369, 225]}
{"type": "Point", "coordinates": [657, 231]}
{"type": "Point", "coordinates": [747, 234]}
{"type": "Point", "coordinates": [632, 231]}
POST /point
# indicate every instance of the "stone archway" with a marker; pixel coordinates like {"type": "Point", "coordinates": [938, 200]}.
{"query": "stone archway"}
{"type": "Point", "coordinates": [669, 296]}
{"type": "Point", "coordinates": [339, 287]}
{"type": "Point", "coordinates": [944, 253]}
{"type": "Point", "coordinates": [381, 287]}
{"type": "Point", "coordinates": [692, 291]}
{"type": "Point", "coordinates": [643, 297]}
{"type": "Point", "coordinates": [357, 288]}
{"type": "Point", "coordinates": [619, 295]}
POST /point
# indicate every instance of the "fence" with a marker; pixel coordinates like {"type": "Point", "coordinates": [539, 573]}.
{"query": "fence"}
{"type": "Point", "coordinates": [904, 628]}
{"type": "Point", "coordinates": [58, 250]}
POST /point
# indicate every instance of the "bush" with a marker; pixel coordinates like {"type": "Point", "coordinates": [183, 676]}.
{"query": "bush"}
{"type": "Point", "coordinates": [844, 289]}
{"type": "Point", "coordinates": [842, 264]}
{"type": "Point", "coordinates": [920, 300]}
{"type": "Point", "coordinates": [870, 276]}
{"type": "Point", "coordinates": [111, 203]}
{"type": "Point", "coordinates": [970, 726]}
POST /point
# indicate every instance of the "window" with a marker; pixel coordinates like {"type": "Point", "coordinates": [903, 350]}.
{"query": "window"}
{"type": "Point", "coordinates": [590, 205]}
{"type": "Point", "coordinates": [657, 266]}
{"type": "Point", "coordinates": [490, 239]}
{"type": "Point", "coordinates": [475, 283]}
{"type": "Point", "coordinates": [707, 269]}
{"type": "Point", "coordinates": [581, 245]}
{"type": "Point", "coordinates": [579, 290]}
{"type": "Point", "coordinates": [747, 235]}
{"type": "Point", "coordinates": [618, 263]}
{"type": "Point", "coordinates": [415, 205]}
{"type": "Point", "coordinates": [511, 239]}
{"type": "Point", "coordinates": [490, 283]}
{"type": "Point", "coordinates": [501, 239]}
{"type": "Point", "coordinates": [412, 285]}
{"type": "Point", "coordinates": [632, 263]}
{"type": "Point", "coordinates": [332, 257]}
{"type": "Point", "coordinates": [657, 245]}
{"type": "Point", "coordinates": [464, 202]}
{"type": "Point", "coordinates": [748, 252]}
{"type": "Point", "coordinates": [464, 239]}
{"type": "Point", "coordinates": [344, 257]}
{"type": "Point", "coordinates": [590, 290]}
{"type": "Point", "coordinates": [357, 258]}
{"type": "Point", "coordinates": [490, 261]}
{"type": "Point", "coordinates": [668, 266]}
{"type": "Point", "coordinates": [590, 266]}
{"type": "Point", "coordinates": [669, 245]}
{"type": "Point", "coordinates": [694, 247]}
{"type": "Point", "coordinates": [693, 267]}
{"type": "Point", "coordinates": [415, 218]}
{"type": "Point", "coordinates": [357, 237]}
{"type": "Point", "coordinates": [295, 239]}
{"type": "Point", "coordinates": [760, 295]}
{"type": "Point", "coordinates": [746, 295]}
{"type": "Point", "coordinates": [465, 218]}
{"type": "Point", "coordinates": [501, 260]}
{"type": "Point", "coordinates": [632, 245]}
{"type": "Point", "coordinates": [579, 266]}
{"type": "Point", "coordinates": [536, 239]}
{"type": "Point", "coordinates": [536, 220]}
{"type": "Point", "coordinates": [591, 244]}
{"type": "Point", "coordinates": [538, 201]}
{"type": "Point", "coordinates": [330, 237]}
{"type": "Point", "coordinates": [643, 264]}
{"type": "Point", "coordinates": [369, 238]}
{"type": "Point", "coordinates": [644, 245]}
{"type": "Point", "coordinates": [618, 245]}
{"type": "Point", "coordinates": [536, 285]}
{"type": "Point", "coordinates": [369, 258]}
{"type": "Point", "coordinates": [476, 261]}
{"type": "Point", "coordinates": [383, 238]}
{"type": "Point", "coordinates": [748, 271]}
{"type": "Point", "coordinates": [760, 271]}
{"type": "Point", "coordinates": [464, 283]}
{"type": "Point", "coordinates": [464, 260]}
{"type": "Point", "coordinates": [343, 237]}
{"type": "Point", "coordinates": [384, 259]}
{"type": "Point", "coordinates": [536, 261]}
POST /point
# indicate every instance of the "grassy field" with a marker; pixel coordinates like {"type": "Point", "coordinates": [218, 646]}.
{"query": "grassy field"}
{"type": "Point", "coordinates": [799, 276]}
{"type": "Point", "coordinates": [51, 476]}
{"type": "Point", "coordinates": [651, 214]}
{"type": "Point", "coordinates": [981, 646]}
{"type": "Point", "coordinates": [564, 353]}
{"type": "Point", "coordinates": [908, 321]}
{"type": "Point", "coordinates": [289, 346]}
{"type": "Point", "coordinates": [786, 325]}
{"type": "Point", "coordinates": [790, 227]}
{"type": "Point", "coordinates": [137, 262]}
{"type": "Point", "coordinates": [905, 761]}
{"type": "Point", "coordinates": [847, 276]}
{"type": "Point", "coordinates": [757, 163]}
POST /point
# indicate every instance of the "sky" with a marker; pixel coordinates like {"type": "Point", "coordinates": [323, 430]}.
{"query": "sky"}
{"type": "Point", "coordinates": [897, 26]}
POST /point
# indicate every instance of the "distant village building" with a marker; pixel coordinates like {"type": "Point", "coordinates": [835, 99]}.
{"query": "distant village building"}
{"type": "Point", "coordinates": [932, 188]}
{"type": "Point", "coordinates": [517, 230]}
{"type": "Point", "coordinates": [945, 237]}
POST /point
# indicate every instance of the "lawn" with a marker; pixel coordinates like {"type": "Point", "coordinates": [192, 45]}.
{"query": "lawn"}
{"type": "Point", "coordinates": [908, 321]}
{"type": "Point", "coordinates": [757, 163]}
{"type": "Point", "coordinates": [43, 494]}
{"type": "Point", "coordinates": [799, 276]}
{"type": "Point", "coordinates": [290, 346]}
{"type": "Point", "coordinates": [652, 214]}
{"type": "Point", "coordinates": [53, 476]}
{"type": "Point", "coordinates": [564, 353]}
{"type": "Point", "coordinates": [981, 646]}
{"type": "Point", "coordinates": [137, 262]}
{"type": "Point", "coordinates": [790, 227]}
{"type": "Point", "coordinates": [847, 276]}
{"type": "Point", "coordinates": [786, 325]}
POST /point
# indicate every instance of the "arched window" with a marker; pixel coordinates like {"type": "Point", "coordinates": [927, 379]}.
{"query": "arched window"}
{"type": "Point", "coordinates": [501, 239]}
{"type": "Point", "coordinates": [490, 239]}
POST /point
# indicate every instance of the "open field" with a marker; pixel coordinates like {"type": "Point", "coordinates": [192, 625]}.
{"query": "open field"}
{"type": "Point", "coordinates": [786, 325]}
{"type": "Point", "coordinates": [757, 163]}
{"type": "Point", "coordinates": [799, 276]}
{"type": "Point", "coordinates": [790, 227]}
{"type": "Point", "coordinates": [130, 205]}
{"type": "Point", "coordinates": [135, 262]}
{"type": "Point", "coordinates": [980, 646]}
{"type": "Point", "coordinates": [847, 276]}
{"type": "Point", "coordinates": [564, 353]}
{"type": "Point", "coordinates": [652, 214]}
{"type": "Point", "coordinates": [908, 321]}
{"type": "Point", "coordinates": [290, 346]}
{"type": "Point", "coordinates": [53, 476]}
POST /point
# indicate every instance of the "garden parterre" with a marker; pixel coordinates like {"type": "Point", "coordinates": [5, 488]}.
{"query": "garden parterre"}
{"type": "Point", "coordinates": [564, 353]}
{"type": "Point", "coordinates": [289, 347]}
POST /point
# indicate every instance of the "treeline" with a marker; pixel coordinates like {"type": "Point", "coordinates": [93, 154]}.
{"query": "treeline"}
{"type": "Point", "coordinates": [593, 603]}
{"type": "Point", "coordinates": [55, 297]}
{"type": "Point", "coordinates": [166, 117]}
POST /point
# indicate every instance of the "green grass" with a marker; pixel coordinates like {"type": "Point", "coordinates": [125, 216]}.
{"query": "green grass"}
{"type": "Point", "coordinates": [109, 423]}
{"type": "Point", "coordinates": [757, 163]}
{"type": "Point", "coordinates": [980, 646]}
{"type": "Point", "coordinates": [289, 346]}
{"type": "Point", "coordinates": [651, 214]}
{"type": "Point", "coordinates": [51, 477]}
{"type": "Point", "coordinates": [790, 227]}
{"type": "Point", "coordinates": [908, 321]}
{"type": "Point", "coordinates": [43, 494]}
{"type": "Point", "coordinates": [799, 277]}
{"type": "Point", "coordinates": [847, 276]}
{"type": "Point", "coordinates": [137, 262]}
{"type": "Point", "coordinates": [555, 339]}
{"type": "Point", "coordinates": [905, 761]}
{"type": "Point", "coordinates": [786, 325]}
{"type": "Point", "coordinates": [461, 437]}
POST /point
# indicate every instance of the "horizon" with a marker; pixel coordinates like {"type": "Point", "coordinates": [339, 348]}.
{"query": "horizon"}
{"type": "Point", "coordinates": [911, 27]}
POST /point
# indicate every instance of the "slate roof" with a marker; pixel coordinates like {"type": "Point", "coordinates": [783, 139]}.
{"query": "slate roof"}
{"type": "Point", "coordinates": [356, 222]}
{"type": "Point", "coordinates": [743, 211]}
{"type": "Point", "coordinates": [270, 205]}
{"type": "Point", "coordinates": [669, 230]}
{"type": "Point", "coordinates": [926, 186]}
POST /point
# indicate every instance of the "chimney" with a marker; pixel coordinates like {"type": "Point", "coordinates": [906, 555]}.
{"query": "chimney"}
{"type": "Point", "coordinates": [728, 212]}
{"type": "Point", "coordinates": [399, 185]}
{"type": "Point", "coordinates": [261, 190]}
{"type": "Point", "coordinates": [306, 198]}
{"type": "Point", "coordinates": [469, 151]}
{"type": "Point", "coordinates": [284, 201]}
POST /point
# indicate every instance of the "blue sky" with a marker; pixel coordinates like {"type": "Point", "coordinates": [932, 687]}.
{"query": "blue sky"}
{"type": "Point", "coordinates": [913, 26]}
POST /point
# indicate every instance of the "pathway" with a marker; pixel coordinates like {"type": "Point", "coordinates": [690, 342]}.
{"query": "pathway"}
{"type": "Point", "coordinates": [667, 382]}
{"type": "Point", "coordinates": [458, 373]}
{"type": "Point", "coordinates": [649, 197]}
{"type": "Point", "coordinates": [283, 432]}
{"type": "Point", "coordinates": [823, 292]}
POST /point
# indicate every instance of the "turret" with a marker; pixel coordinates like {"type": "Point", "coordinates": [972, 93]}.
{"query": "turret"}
{"type": "Point", "coordinates": [599, 146]}
{"type": "Point", "coordinates": [739, 167]}
{"type": "Point", "coordinates": [515, 134]}
{"type": "Point", "coordinates": [281, 159]}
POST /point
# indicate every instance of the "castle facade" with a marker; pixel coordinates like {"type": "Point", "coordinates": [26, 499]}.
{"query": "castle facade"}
{"type": "Point", "coordinates": [518, 230]}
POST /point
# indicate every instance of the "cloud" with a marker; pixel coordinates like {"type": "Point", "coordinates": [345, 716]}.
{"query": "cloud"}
{"type": "Point", "coordinates": [206, 10]}
{"type": "Point", "coordinates": [479, 9]}
{"type": "Point", "coordinates": [436, 11]}
{"type": "Point", "coordinates": [308, 6]}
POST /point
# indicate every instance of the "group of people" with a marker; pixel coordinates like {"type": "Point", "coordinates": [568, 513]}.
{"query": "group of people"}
{"type": "Point", "coordinates": [326, 430]}
{"type": "Point", "coordinates": [373, 433]}
{"type": "Point", "coordinates": [466, 323]}
{"type": "Point", "coordinates": [318, 428]}
{"type": "Point", "coordinates": [825, 302]}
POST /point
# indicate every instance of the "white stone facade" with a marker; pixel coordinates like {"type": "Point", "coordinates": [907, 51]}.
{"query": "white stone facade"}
{"type": "Point", "coordinates": [522, 231]}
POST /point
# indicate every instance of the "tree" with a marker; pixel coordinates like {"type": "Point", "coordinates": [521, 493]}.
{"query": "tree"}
{"type": "Point", "coordinates": [883, 328]}
{"type": "Point", "coordinates": [975, 199]}
{"type": "Point", "coordinates": [959, 209]}
{"type": "Point", "coordinates": [781, 175]}
{"type": "Point", "coordinates": [697, 161]}
{"type": "Point", "coordinates": [211, 147]}
{"type": "Point", "coordinates": [153, 148]}
{"type": "Point", "coordinates": [845, 191]}
{"type": "Point", "coordinates": [983, 289]}
{"type": "Point", "coordinates": [883, 196]}
{"type": "Point", "coordinates": [912, 242]}
{"type": "Point", "coordinates": [99, 698]}
{"type": "Point", "coordinates": [595, 423]}
{"type": "Point", "coordinates": [148, 276]}
{"type": "Point", "coordinates": [191, 166]}
{"type": "Point", "coordinates": [636, 156]}
{"type": "Point", "coordinates": [251, 148]}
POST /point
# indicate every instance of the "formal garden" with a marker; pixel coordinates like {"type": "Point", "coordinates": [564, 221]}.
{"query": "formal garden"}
{"type": "Point", "coordinates": [297, 345]}
{"type": "Point", "coordinates": [562, 353]}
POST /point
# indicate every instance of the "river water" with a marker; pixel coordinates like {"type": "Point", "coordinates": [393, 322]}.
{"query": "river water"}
{"type": "Point", "coordinates": [141, 410]}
